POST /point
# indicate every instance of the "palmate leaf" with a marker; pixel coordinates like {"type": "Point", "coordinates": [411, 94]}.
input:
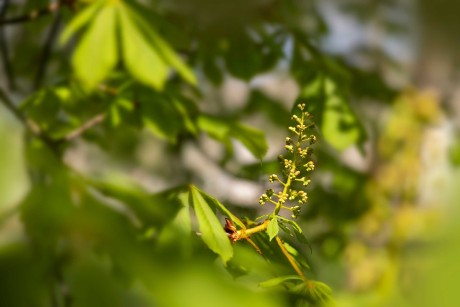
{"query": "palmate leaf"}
{"type": "Point", "coordinates": [146, 55]}
{"type": "Point", "coordinates": [79, 21]}
{"type": "Point", "coordinates": [211, 230]}
{"type": "Point", "coordinates": [162, 47]}
{"type": "Point", "coordinates": [96, 54]}
{"type": "Point", "coordinates": [139, 57]}
{"type": "Point", "coordinates": [338, 122]}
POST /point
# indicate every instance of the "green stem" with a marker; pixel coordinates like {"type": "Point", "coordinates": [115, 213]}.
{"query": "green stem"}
{"type": "Point", "coordinates": [279, 204]}
{"type": "Point", "coordinates": [244, 233]}
{"type": "Point", "coordinates": [292, 261]}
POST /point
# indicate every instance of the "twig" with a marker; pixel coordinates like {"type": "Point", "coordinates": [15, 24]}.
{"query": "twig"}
{"type": "Point", "coordinates": [51, 8]}
{"type": "Point", "coordinates": [4, 53]}
{"type": "Point", "coordinates": [44, 58]}
{"type": "Point", "coordinates": [28, 123]}
{"type": "Point", "coordinates": [89, 124]}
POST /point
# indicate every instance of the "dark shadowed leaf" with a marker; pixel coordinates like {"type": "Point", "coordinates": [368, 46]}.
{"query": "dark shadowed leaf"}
{"type": "Point", "coordinates": [278, 280]}
{"type": "Point", "coordinates": [152, 209]}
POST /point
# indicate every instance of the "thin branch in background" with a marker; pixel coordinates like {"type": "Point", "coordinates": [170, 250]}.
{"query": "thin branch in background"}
{"type": "Point", "coordinates": [45, 56]}
{"type": "Point", "coordinates": [88, 125]}
{"type": "Point", "coordinates": [4, 53]}
{"type": "Point", "coordinates": [30, 125]}
{"type": "Point", "coordinates": [51, 8]}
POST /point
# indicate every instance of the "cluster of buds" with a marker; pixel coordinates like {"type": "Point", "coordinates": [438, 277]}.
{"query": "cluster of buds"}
{"type": "Point", "coordinates": [296, 165]}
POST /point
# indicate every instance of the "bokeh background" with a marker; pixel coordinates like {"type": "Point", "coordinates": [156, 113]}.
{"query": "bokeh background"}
{"type": "Point", "coordinates": [381, 78]}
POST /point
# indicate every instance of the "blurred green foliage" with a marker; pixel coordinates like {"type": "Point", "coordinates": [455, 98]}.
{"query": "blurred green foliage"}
{"type": "Point", "coordinates": [99, 206]}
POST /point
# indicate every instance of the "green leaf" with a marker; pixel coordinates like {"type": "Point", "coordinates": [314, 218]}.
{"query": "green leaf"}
{"type": "Point", "coordinates": [175, 237]}
{"type": "Point", "coordinates": [274, 110]}
{"type": "Point", "coordinates": [340, 125]}
{"type": "Point", "coordinates": [317, 291]}
{"type": "Point", "coordinates": [160, 116]}
{"type": "Point", "coordinates": [22, 273]}
{"type": "Point", "coordinates": [96, 53]}
{"type": "Point", "coordinates": [139, 56]}
{"type": "Point", "coordinates": [215, 127]}
{"type": "Point", "coordinates": [211, 230]}
{"type": "Point", "coordinates": [297, 230]}
{"type": "Point", "coordinates": [114, 115]}
{"type": "Point", "coordinates": [278, 280]}
{"type": "Point", "coordinates": [42, 107]}
{"type": "Point", "coordinates": [285, 229]}
{"type": "Point", "coordinates": [84, 17]}
{"type": "Point", "coordinates": [217, 205]}
{"type": "Point", "coordinates": [92, 284]}
{"type": "Point", "coordinates": [338, 122]}
{"type": "Point", "coordinates": [163, 48]}
{"type": "Point", "coordinates": [151, 209]}
{"type": "Point", "coordinates": [253, 139]}
{"type": "Point", "coordinates": [221, 129]}
{"type": "Point", "coordinates": [273, 229]}
{"type": "Point", "coordinates": [182, 109]}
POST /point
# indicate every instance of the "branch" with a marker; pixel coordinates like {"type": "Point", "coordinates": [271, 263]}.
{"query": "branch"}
{"type": "Point", "coordinates": [30, 125]}
{"type": "Point", "coordinates": [88, 125]}
{"type": "Point", "coordinates": [4, 53]}
{"type": "Point", "coordinates": [35, 14]}
{"type": "Point", "coordinates": [47, 50]}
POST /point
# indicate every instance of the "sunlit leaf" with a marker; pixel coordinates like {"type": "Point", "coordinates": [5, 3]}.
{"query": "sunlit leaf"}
{"type": "Point", "coordinates": [96, 53]}
{"type": "Point", "coordinates": [216, 128]}
{"type": "Point", "coordinates": [79, 21]}
{"type": "Point", "coordinates": [340, 125]}
{"type": "Point", "coordinates": [211, 230]}
{"type": "Point", "coordinates": [217, 205]}
{"type": "Point", "coordinates": [337, 121]}
{"type": "Point", "coordinates": [139, 57]}
{"type": "Point", "coordinates": [163, 48]}
{"type": "Point", "coordinates": [273, 229]}
{"type": "Point", "coordinates": [253, 139]}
